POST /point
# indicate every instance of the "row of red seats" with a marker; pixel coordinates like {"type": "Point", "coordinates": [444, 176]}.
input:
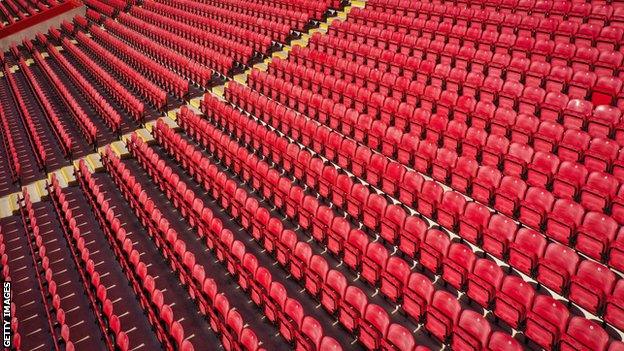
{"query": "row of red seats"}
{"type": "Point", "coordinates": [410, 201]}
{"type": "Point", "coordinates": [102, 7]}
{"type": "Point", "coordinates": [372, 336]}
{"type": "Point", "coordinates": [600, 91]}
{"type": "Point", "coordinates": [292, 18]}
{"type": "Point", "coordinates": [421, 152]}
{"type": "Point", "coordinates": [187, 37]}
{"type": "Point", "coordinates": [169, 80]}
{"type": "Point", "coordinates": [129, 102]}
{"type": "Point", "coordinates": [390, 220]}
{"type": "Point", "coordinates": [164, 56]}
{"type": "Point", "coordinates": [60, 132]}
{"type": "Point", "coordinates": [151, 298]}
{"type": "Point", "coordinates": [438, 41]}
{"type": "Point", "coordinates": [382, 95]}
{"type": "Point", "coordinates": [104, 109]}
{"type": "Point", "coordinates": [151, 92]}
{"type": "Point", "coordinates": [316, 9]}
{"type": "Point", "coordinates": [493, 149]}
{"type": "Point", "coordinates": [348, 149]}
{"type": "Point", "coordinates": [212, 56]}
{"type": "Point", "coordinates": [575, 11]}
{"type": "Point", "coordinates": [86, 125]}
{"type": "Point", "coordinates": [156, 79]}
{"type": "Point", "coordinates": [102, 306]}
{"type": "Point", "coordinates": [273, 29]}
{"type": "Point", "coordinates": [52, 300]}
{"type": "Point", "coordinates": [477, 288]}
{"type": "Point", "coordinates": [33, 135]}
{"type": "Point", "coordinates": [9, 147]}
{"type": "Point", "coordinates": [223, 319]}
{"type": "Point", "coordinates": [258, 41]}
{"type": "Point", "coordinates": [307, 333]}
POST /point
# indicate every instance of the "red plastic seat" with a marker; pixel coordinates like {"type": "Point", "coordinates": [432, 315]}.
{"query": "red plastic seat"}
{"type": "Point", "coordinates": [457, 264]}
{"type": "Point", "coordinates": [484, 280]}
{"type": "Point", "coordinates": [398, 338]}
{"type": "Point", "coordinates": [394, 278]}
{"type": "Point", "coordinates": [614, 310]}
{"type": "Point", "coordinates": [546, 321]}
{"type": "Point", "coordinates": [374, 262]}
{"type": "Point", "coordinates": [563, 220]}
{"type": "Point", "coordinates": [557, 267]}
{"type": "Point", "coordinates": [500, 232]}
{"type": "Point", "coordinates": [374, 326]}
{"type": "Point", "coordinates": [417, 294]}
{"type": "Point", "coordinates": [352, 308]}
{"type": "Point", "coordinates": [595, 234]}
{"type": "Point", "coordinates": [433, 249]}
{"type": "Point", "coordinates": [513, 300]}
{"type": "Point", "coordinates": [471, 332]}
{"type": "Point", "coordinates": [584, 334]}
{"type": "Point", "coordinates": [474, 220]}
{"type": "Point", "coordinates": [591, 285]}
{"type": "Point", "coordinates": [526, 250]}
{"type": "Point", "coordinates": [442, 315]}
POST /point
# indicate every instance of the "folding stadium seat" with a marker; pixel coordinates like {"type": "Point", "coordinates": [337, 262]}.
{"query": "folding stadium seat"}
{"type": "Point", "coordinates": [374, 262]}
{"type": "Point", "coordinates": [577, 113]}
{"type": "Point", "coordinates": [484, 280]}
{"type": "Point", "coordinates": [316, 274]}
{"type": "Point", "coordinates": [526, 250]}
{"type": "Point", "coordinates": [355, 248]}
{"type": "Point", "coordinates": [557, 267]}
{"type": "Point", "coordinates": [569, 179]}
{"type": "Point", "coordinates": [595, 234]}
{"type": "Point", "coordinates": [417, 294]}
{"type": "Point", "coordinates": [513, 300]}
{"type": "Point", "coordinates": [337, 235]}
{"type": "Point", "coordinates": [442, 314]}
{"type": "Point", "coordinates": [352, 308]}
{"type": "Point", "coordinates": [563, 220]}
{"type": "Point", "coordinates": [290, 319]}
{"type": "Point", "coordinates": [399, 338]}
{"type": "Point", "coordinates": [471, 332]}
{"type": "Point", "coordinates": [591, 286]}
{"type": "Point", "coordinates": [300, 259]}
{"type": "Point", "coordinates": [465, 170]}
{"type": "Point", "coordinates": [573, 145]}
{"type": "Point", "coordinates": [598, 191]}
{"type": "Point", "coordinates": [412, 234]}
{"type": "Point", "coordinates": [374, 326]}
{"type": "Point", "coordinates": [474, 141]}
{"type": "Point", "coordinates": [457, 264]}
{"type": "Point", "coordinates": [474, 221]}
{"type": "Point", "coordinates": [546, 321]}
{"type": "Point", "coordinates": [374, 211]}
{"type": "Point", "coordinates": [535, 207]}
{"type": "Point", "coordinates": [429, 197]}
{"type": "Point", "coordinates": [450, 209]}
{"type": "Point", "coordinates": [333, 291]}
{"type": "Point", "coordinates": [501, 341]}
{"type": "Point", "coordinates": [499, 234]}
{"type": "Point", "coordinates": [508, 195]}
{"type": "Point", "coordinates": [484, 185]}
{"type": "Point", "coordinates": [433, 249]}
{"type": "Point", "coordinates": [548, 136]}
{"type": "Point", "coordinates": [525, 127]}
{"type": "Point", "coordinates": [583, 80]}
{"type": "Point", "coordinates": [601, 154]}
{"type": "Point", "coordinates": [494, 150]}
{"type": "Point", "coordinates": [541, 169]}
{"type": "Point", "coordinates": [583, 333]}
{"type": "Point", "coordinates": [443, 165]}
{"type": "Point", "coordinates": [614, 310]}
{"type": "Point", "coordinates": [603, 121]}
{"type": "Point", "coordinates": [311, 334]}
{"type": "Point", "coordinates": [392, 178]}
{"type": "Point", "coordinates": [392, 223]}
